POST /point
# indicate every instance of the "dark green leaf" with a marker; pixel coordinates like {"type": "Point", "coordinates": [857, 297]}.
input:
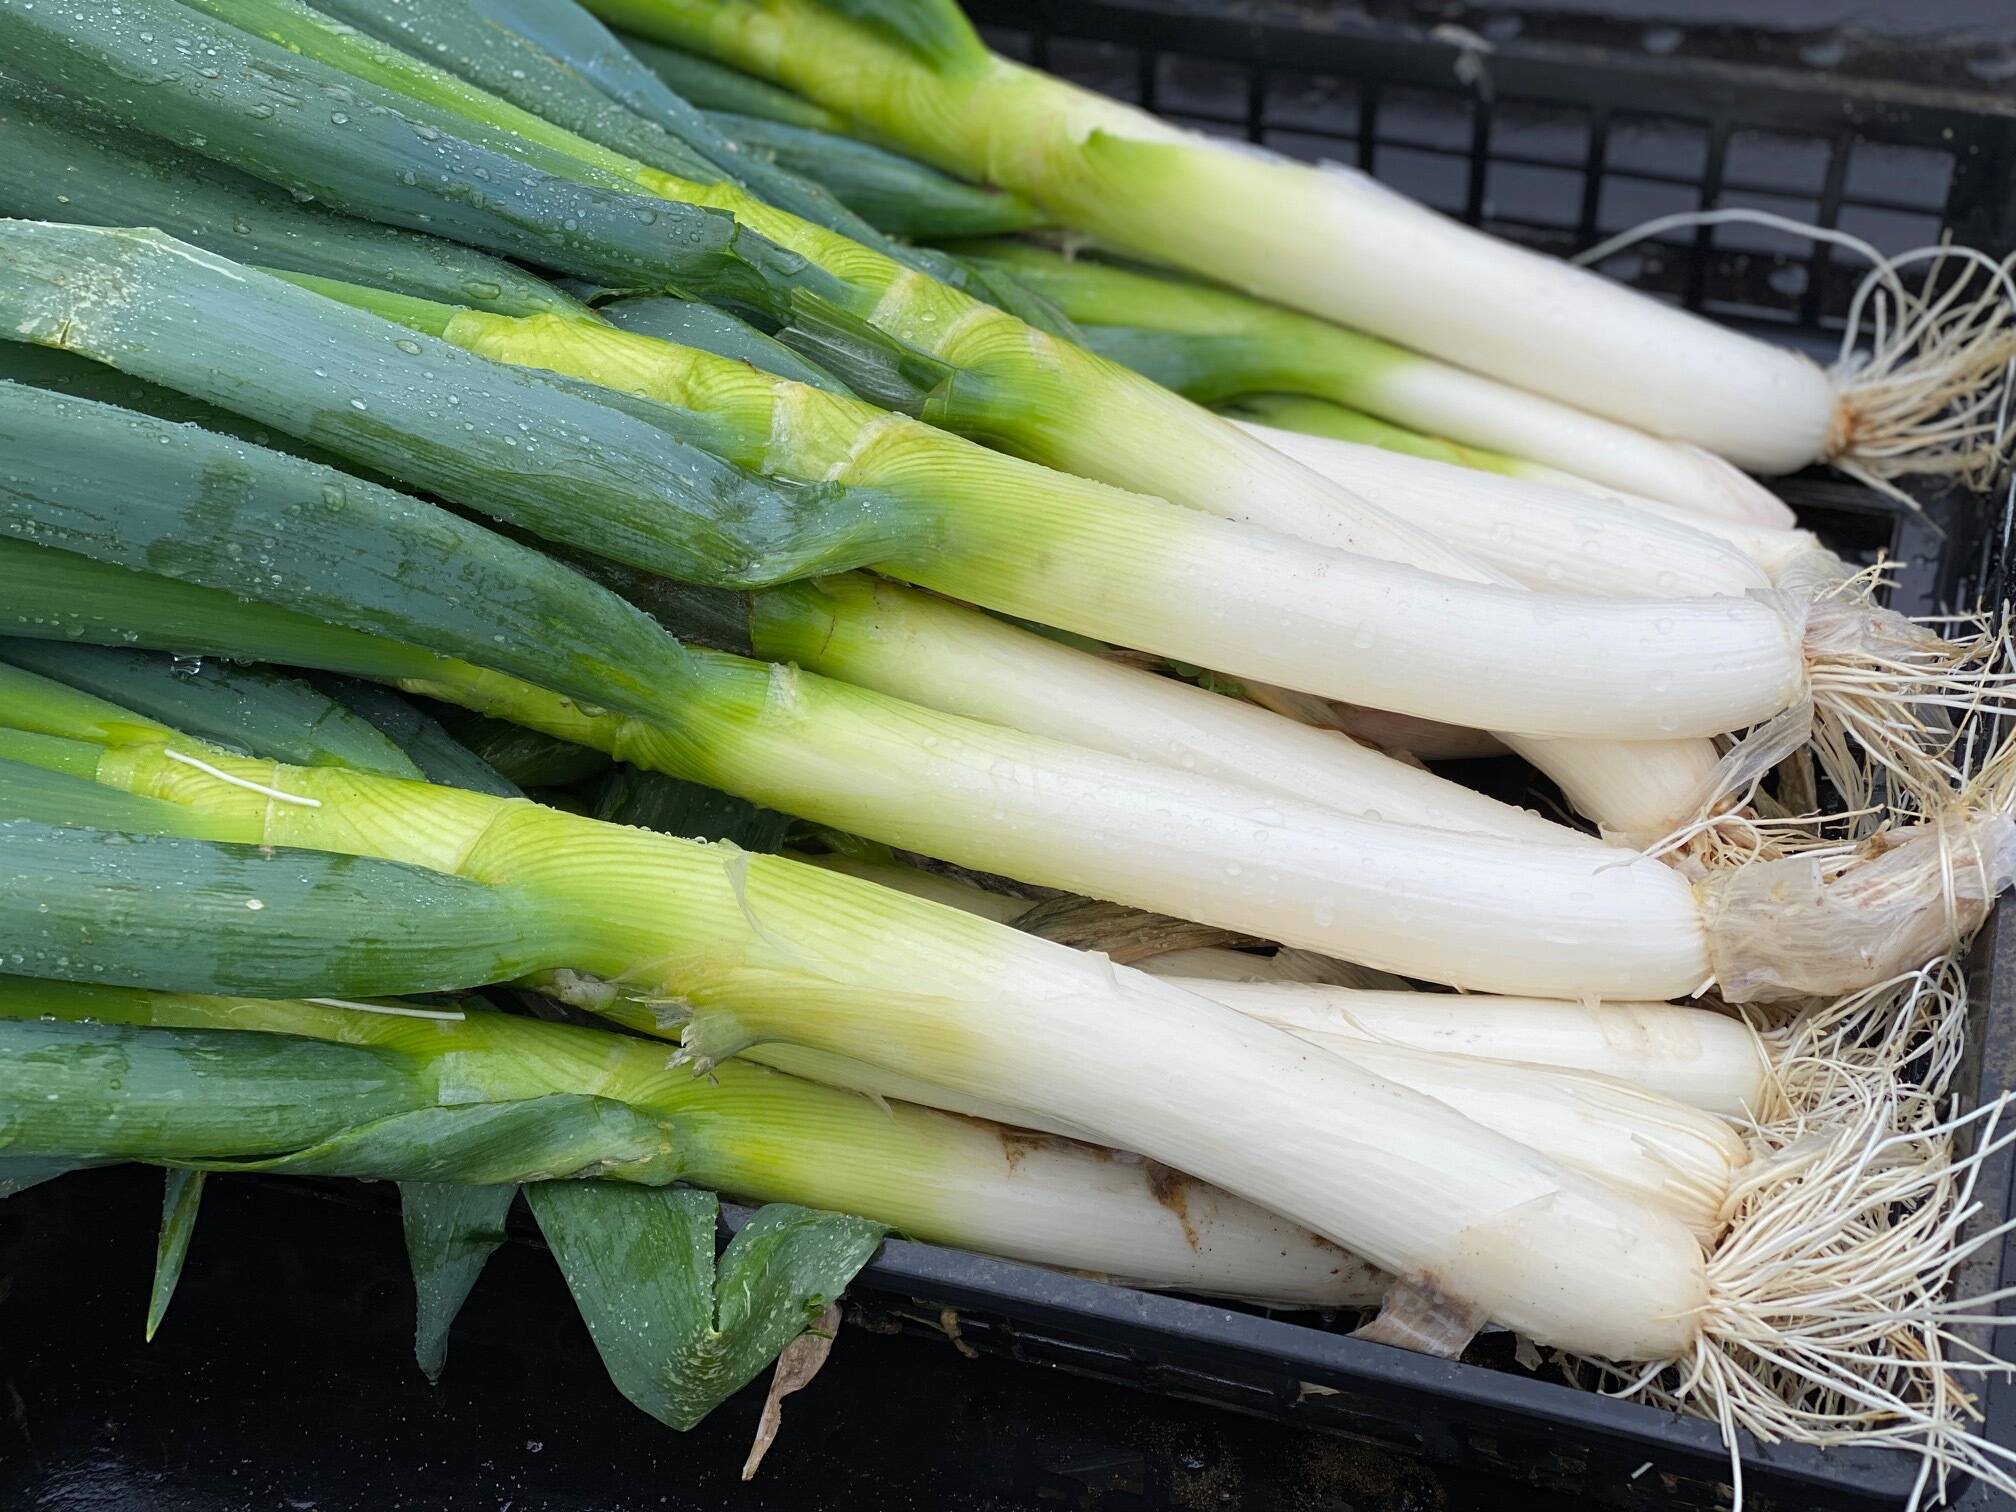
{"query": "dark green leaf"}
{"type": "Point", "coordinates": [676, 1339]}
{"type": "Point", "coordinates": [527, 758]}
{"type": "Point", "coordinates": [80, 378]}
{"type": "Point", "coordinates": [178, 1221]}
{"type": "Point", "coordinates": [673, 806]}
{"type": "Point", "coordinates": [57, 163]}
{"type": "Point", "coordinates": [49, 594]}
{"type": "Point", "coordinates": [108, 1091]}
{"type": "Point", "coordinates": [450, 1232]}
{"type": "Point", "coordinates": [246, 709]}
{"type": "Point", "coordinates": [581, 49]}
{"type": "Point", "coordinates": [262, 109]}
{"type": "Point", "coordinates": [254, 921]}
{"type": "Point", "coordinates": [689, 323]}
{"type": "Point", "coordinates": [716, 86]}
{"type": "Point", "coordinates": [936, 30]}
{"type": "Point", "coordinates": [250, 1100]}
{"type": "Point", "coordinates": [186, 504]}
{"type": "Point", "coordinates": [566, 1137]}
{"type": "Point", "coordinates": [441, 758]}
{"type": "Point", "coordinates": [567, 461]}
{"type": "Point", "coordinates": [896, 194]}
{"type": "Point", "coordinates": [57, 798]}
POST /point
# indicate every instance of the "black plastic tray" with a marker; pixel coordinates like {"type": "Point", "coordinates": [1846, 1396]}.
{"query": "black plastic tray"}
{"type": "Point", "coordinates": [1558, 144]}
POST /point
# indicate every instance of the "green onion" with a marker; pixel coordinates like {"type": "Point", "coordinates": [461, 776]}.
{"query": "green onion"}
{"type": "Point", "coordinates": [1215, 345]}
{"type": "Point", "coordinates": [747, 948]}
{"type": "Point", "coordinates": [58, 163]}
{"type": "Point", "coordinates": [1331, 241]}
{"type": "Point", "coordinates": [744, 1130]}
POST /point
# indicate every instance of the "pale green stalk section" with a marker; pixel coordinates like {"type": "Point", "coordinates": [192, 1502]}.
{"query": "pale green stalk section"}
{"type": "Point", "coordinates": [919, 883]}
{"type": "Point", "coordinates": [769, 1137]}
{"type": "Point", "coordinates": [1323, 417]}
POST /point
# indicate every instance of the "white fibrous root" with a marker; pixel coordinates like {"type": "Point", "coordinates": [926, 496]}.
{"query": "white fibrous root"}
{"type": "Point", "coordinates": [1841, 1293]}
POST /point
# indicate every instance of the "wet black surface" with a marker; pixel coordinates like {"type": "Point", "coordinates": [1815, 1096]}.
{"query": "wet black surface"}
{"type": "Point", "coordinates": [283, 1379]}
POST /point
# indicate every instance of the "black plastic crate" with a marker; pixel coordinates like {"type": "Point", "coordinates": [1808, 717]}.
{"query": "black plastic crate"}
{"type": "Point", "coordinates": [1555, 144]}
{"type": "Point", "coordinates": [1558, 147]}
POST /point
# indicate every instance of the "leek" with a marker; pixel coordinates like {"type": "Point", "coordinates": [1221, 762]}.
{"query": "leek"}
{"type": "Point", "coordinates": [727, 949]}
{"type": "Point", "coordinates": [489, 174]}
{"type": "Point", "coordinates": [1331, 241]}
{"type": "Point", "coordinates": [748, 948]}
{"type": "Point", "coordinates": [1214, 345]}
{"type": "Point", "coordinates": [917, 502]}
{"type": "Point", "coordinates": [765, 1137]}
{"type": "Point", "coordinates": [1328, 881]}
{"type": "Point", "coordinates": [58, 163]}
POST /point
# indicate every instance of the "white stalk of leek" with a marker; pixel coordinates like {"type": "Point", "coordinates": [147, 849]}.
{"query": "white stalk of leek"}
{"type": "Point", "coordinates": [1133, 571]}
{"type": "Point", "coordinates": [1712, 1061]}
{"type": "Point", "coordinates": [767, 1137]}
{"type": "Point", "coordinates": [943, 655]}
{"type": "Point", "coordinates": [1547, 538]}
{"type": "Point", "coordinates": [1672, 1157]}
{"type": "Point", "coordinates": [1709, 1060]}
{"type": "Point", "coordinates": [1212, 344]}
{"type": "Point", "coordinates": [1555, 538]}
{"type": "Point", "coordinates": [1332, 241]}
